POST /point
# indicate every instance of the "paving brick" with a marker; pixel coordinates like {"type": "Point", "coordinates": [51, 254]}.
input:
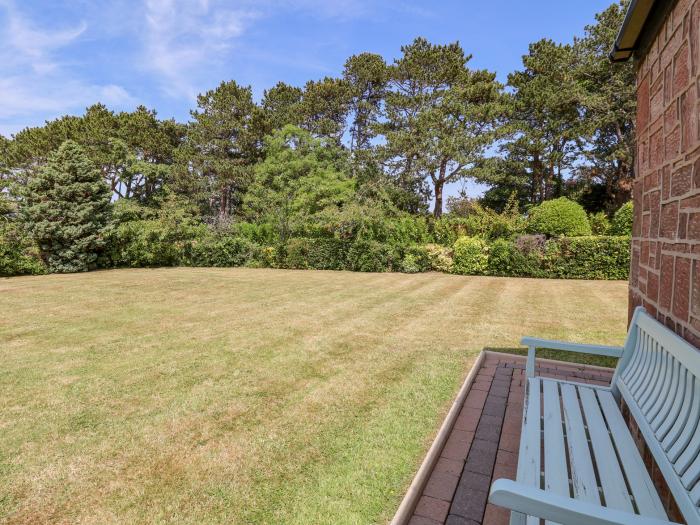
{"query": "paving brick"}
{"type": "Point", "coordinates": [505, 457]}
{"type": "Point", "coordinates": [468, 419]}
{"type": "Point", "coordinates": [495, 406]}
{"type": "Point", "coordinates": [504, 471]}
{"type": "Point", "coordinates": [500, 389]}
{"type": "Point", "coordinates": [496, 515]}
{"type": "Point", "coordinates": [481, 384]}
{"type": "Point", "coordinates": [482, 457]}
{"type": "Point", "coordinates": [474, 480]}
{"type": "Point", "coordinates": [449, 466]}
{"type": "Point", "coordinates": [475, 399]}
{"type": "Point", "coordinates": [435, 509]}
{"type": "Point", "coordinates": [469, 503]}
{"type": "Point", "coordinates": [458, 520]}
{"type": "Point", "coordinates": [441, 486]}
{"type": "Point", "coordinates": [489, 428]}
{"type": "Point", "coordinates": [455, 449]}
{"type": "Point", "coordinates": [421, 520]}
{"type": "Point", "coordinates": [509, 442]}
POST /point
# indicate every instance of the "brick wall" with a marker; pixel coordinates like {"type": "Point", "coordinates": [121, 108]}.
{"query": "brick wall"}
{"type": "Point", "coordinates": [665, 272]}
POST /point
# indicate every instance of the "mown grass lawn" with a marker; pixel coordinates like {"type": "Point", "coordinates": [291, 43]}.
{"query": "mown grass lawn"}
{"type": "Point", "coordinates": [249, 396]}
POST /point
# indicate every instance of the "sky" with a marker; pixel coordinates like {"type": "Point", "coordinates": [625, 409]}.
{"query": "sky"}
{"type": "Point", "coordinates": [58, 57]}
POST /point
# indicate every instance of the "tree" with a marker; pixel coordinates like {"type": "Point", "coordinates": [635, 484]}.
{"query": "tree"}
{"type": "Point", "coordinates": [608, 109]}
{"type": "Point", "coordinates": [146, 147]}
{"type": "Point", "coordinates": [133, 151]}
{"type": "Point", "coordinates": [440, 116]}
{"type": "Point", "coordinates": [324, 108]}
{"type": "Point", "coordinates": [281, 106]}
{"type": "Point", "coordinates": [300, 177]}
{"type": "Point", "coordinates": [544, 122]}
{"type": "Point", "coordinates": [66, 209]}
{"type": "Point", "coordinates": [367, 76]}
{"type": "Point", "coordinates": [222, 145]}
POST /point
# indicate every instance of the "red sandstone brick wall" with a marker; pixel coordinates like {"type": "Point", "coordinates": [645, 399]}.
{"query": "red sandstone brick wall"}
{"type": "Point", "coordinates": [665, 272]}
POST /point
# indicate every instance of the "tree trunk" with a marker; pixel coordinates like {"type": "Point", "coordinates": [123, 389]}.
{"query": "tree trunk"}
{"type": "Point", "coordinates": [439, 185]}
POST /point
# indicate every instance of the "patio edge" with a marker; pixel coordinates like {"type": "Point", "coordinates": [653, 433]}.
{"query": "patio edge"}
{"type": "Point", "coordinates": [415, 489]}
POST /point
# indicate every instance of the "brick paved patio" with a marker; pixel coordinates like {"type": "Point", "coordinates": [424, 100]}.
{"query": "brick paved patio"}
{"type": "Point", "coordinates": [483, 444]}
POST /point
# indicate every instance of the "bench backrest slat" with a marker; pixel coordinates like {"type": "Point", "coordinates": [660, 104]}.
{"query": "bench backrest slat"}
{"type": "Point", "coordinates": [659, 379]}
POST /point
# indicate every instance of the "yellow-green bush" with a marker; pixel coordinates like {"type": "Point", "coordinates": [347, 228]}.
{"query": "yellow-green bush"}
{"type": "Point", "coordinates": [470, 256]}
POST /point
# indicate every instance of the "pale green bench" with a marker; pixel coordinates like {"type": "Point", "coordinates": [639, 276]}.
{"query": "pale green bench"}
{"type": "Point", "coordinates": [578, 463]}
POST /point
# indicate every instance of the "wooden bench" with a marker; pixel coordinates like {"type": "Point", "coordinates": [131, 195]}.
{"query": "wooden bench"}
{"type": "Point", "coordinates": [578, 463]}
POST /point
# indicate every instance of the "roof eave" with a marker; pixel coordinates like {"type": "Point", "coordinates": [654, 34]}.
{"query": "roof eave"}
{"type": "Point", "coordinates": [628, 36]}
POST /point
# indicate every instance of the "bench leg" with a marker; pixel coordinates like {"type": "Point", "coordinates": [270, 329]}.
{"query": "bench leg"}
{"type": "Point", "coordinates": [517, 518]}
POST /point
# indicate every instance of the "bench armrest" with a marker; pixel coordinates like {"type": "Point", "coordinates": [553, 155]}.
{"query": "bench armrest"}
{"type": "Point", "coordinates": [561, 509]}
{"type": "Point", "coordinates": [533, 343]}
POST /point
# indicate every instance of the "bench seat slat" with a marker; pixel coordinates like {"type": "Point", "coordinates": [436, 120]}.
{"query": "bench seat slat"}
{"type": "Point", "coordinates": [529, 466]}
{"type": "Point", "coordinates": [646, 384]}
{"type": "Point", "coordinates": [583, 479]}
{"type": "Point", "coordinates": [645, 495]}
{"type": "Point", "coordinates": [556, 477]}
{"type": "Point", "coordinates": [691, 454]}
{"type": "Point", "coordinates": [695, 495]}
{"type": "Point", "coordinates": [611, 478]}
{"type": "Point", "coordinates": [645, 364]}
{"type": "Point", "coordinates": [670, 398]}
{"type": "Point", "coordinates": [679, 422]}
{"type": "Point", "coordinates": [654, 404]}
{"type": "Point", "coordinates": [689, 429]}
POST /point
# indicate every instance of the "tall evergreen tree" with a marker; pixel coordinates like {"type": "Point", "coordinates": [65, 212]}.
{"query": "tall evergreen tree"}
{"type": "Point", "coordinates": [367, 76]}
{"type": "Point", "coordinates": [223, 143]}
{"type": "Point", "coordinates": [281, 105]}
{"type": "Point", "coordinates": [66, 208]}
{"type": "Point", "coordinates": [608, 109]}
{"type": "Point", "coordinates": [441, 116]}
{"type": "Point", "coordinates": [324, 108]}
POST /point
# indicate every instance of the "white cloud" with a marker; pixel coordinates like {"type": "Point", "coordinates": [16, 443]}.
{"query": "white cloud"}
{"type": "Point", "coordinates": [185, 38]}
{"type": "Point", "coordinates": [34, 83]}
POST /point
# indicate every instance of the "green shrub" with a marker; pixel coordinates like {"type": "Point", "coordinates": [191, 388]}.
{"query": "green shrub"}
{"type": "Point", "coordinates": [470, 256]}
{"type": "Point", "coordinates": [324, 253]}
{"type": "Point", "coordinates": [267, 257]}
{"type": "Point", "coordinates": [600, 225]}
{"type": "Point", "coordinates": [439, 258]}
{"type": "Point", "coordinates": [480, 222]}
{"type": "Point", "coordinates": [407, 230]}
{"type": "Point", "coordinates": [18, 254]}
{"type": "Point", "coordinates": [410, 264]}
{"type": "Point", "coordinates": [415, 259]}
{"type": "Point", "coordinates": [446, 229]}
{"type": "Point", "coordinates": [589, 257]}
{"type": "Point", "coordinates": [622, 220]}
{"type": "Point", "coordinates": [372, 256]}
{"type": "Point", "coordinates": [223, 251]}
{"type": "Point", "coordinates": [559, 217]}
{"type": "Point", "coordinates": [263, 234]}
{"type": "Point", "coordinates": [168, 240]}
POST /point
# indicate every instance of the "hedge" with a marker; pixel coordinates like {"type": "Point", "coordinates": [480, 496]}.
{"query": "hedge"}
{"type": "Point", "coordinates": [590, 257]}
{"type": "Point", "coordinates": [317, 253]}
{"type": "Point", "coordinates": [150, 243]}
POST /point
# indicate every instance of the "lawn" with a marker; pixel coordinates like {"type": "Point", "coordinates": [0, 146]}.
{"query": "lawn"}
{"type": "Point", "coordinates": [249, 396]}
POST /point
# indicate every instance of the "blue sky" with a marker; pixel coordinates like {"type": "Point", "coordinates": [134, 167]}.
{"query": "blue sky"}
{"type": "Point", "coordinates": [58, 57]}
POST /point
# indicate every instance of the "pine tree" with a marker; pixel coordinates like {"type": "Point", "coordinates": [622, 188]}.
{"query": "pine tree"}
{"type": "Point", "coordinates": [66, 209]}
